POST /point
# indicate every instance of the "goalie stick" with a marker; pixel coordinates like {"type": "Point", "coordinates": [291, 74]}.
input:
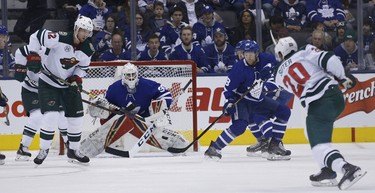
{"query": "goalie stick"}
{"type": "Point", "coordinates": [181, 150]}
{"type": "Point", "coordinates": [146, 135]}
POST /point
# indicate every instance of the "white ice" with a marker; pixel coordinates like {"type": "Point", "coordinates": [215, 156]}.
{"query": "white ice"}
{"type": "Point", "coordinates": [162, 173]}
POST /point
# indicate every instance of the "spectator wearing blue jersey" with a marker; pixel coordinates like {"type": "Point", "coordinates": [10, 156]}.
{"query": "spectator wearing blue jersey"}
{"type": "Point", "coordinates": [117, 51]}
{"type": "Point", "coordinates": [328, 12]}
{"type": "Point", "coordinates": [152, 51]}
{"type": "Point", "coordinates": [368, 34]}
{"type": "Point", "coordinates": [294, 14]}
{"type": "Point", "coordinates": [204, 29]}
{"type": "Point", "coordinates": [220, 55]}
{"type": "Point", "coordinates": [97, 11]}
{"type": "Point", "coordinates": [188, 50]}
{"type": "Point", "coordinates": [348, 51]}
{"type": "Point", "coordinates": [9, 64]}
{"type": "Point", "coordinates": [143, 31]}
{"type": "Point", "coordinates": [170, 33]}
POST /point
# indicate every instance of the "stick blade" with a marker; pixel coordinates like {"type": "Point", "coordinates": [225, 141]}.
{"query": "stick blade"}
{"type": "Point", "coordinates": [176, 150]}
{"type": "Point", "coordinates": [117, 152]}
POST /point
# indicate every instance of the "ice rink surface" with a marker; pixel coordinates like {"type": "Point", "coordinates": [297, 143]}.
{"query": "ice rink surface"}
{"type": "Point", "coordinates": [163, 173]}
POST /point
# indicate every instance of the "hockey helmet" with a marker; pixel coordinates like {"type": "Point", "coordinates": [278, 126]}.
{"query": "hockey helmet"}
{"type": "Point", "coordinates": [3, 30]}
{"type": "Point", "coordinates": [250, 46]}
{"type": "Point", "coordinates": [84, 22]}
{"type": "Point", "coordinates": [284, 47]}
{"type": "Point", "coordinates": [129, 75]}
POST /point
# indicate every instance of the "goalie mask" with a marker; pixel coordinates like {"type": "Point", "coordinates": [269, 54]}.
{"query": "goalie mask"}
{"type": "Point", "coordinates": [85, 23]}
{"type": "Point", "coordinates": [129, 76]}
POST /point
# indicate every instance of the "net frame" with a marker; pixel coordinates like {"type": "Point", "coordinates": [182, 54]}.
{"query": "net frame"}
{"type": "Point", "coordinates": [155, 73]}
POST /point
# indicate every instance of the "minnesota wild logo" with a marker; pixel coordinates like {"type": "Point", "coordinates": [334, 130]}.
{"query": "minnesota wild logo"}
{"type": "Point", "coordinates": [68, 62]}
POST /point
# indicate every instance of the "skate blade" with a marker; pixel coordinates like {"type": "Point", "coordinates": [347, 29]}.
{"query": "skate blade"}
{"type": "Point", "coordinates": [74, 161]}
{"type": "Point", "coordinates": [254, 154]}
{"type": "Point", "coordinates": [347, 184]}
{"type": "Point", "coordinates": [22, 158]}
{"type": "Point", "coordinates": [325, 183]}
{"type": "Point", "coordinates": [274, 157]}
{"type": "Point", "coordinates": [211, 158]}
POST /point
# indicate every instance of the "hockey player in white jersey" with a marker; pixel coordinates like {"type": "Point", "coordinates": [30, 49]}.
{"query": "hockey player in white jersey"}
{"type": "Point", "coordinates": [308, 74]}
{"type": "Point", "coordinates": [30, 101]}
{"type": "Point", "coordinates": [68, 59]}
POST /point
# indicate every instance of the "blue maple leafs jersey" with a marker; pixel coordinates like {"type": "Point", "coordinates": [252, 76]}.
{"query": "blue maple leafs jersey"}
{"type": "Point", "coordinates": [146, 91]}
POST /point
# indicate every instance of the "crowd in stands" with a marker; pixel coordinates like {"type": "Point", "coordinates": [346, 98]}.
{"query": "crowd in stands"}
{"type": "Point", "coordinates": [193, 30]}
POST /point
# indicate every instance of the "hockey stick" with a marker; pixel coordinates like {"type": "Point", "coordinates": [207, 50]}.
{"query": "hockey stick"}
{"type": "Point", "coordinates": [181, 150]}
{"type": "Point", "coordinates": [146, 135]}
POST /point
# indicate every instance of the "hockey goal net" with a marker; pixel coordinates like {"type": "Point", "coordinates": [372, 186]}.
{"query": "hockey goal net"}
{"type": "Point", "coordinates": [172, 74]}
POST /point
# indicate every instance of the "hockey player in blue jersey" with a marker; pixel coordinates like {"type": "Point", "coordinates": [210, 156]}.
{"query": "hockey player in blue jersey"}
{"type": "Point", "coordinates": [243, 76]}
{"type": "Point", "coordinates": [220, 54]}
{"type": "Point", "coordinates": [3, 103]}
{"type": "Point", "coordinates": [135, 94]}
{"type": "Point", "coordinates": [188, 50]}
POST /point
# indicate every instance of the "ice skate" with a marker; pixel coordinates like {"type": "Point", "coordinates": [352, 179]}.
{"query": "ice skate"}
{"type": "Point", "coordinates": [76, 157]}
{"type": "Point", "coordinates": [212, 152]}
{"type": "Point", "coordinates": [23, 153]}
{"type": "Point", "coordinates": [277, 151]}
{"type": "Point", "coordinates": [351, 176]}
{"type": "Point", "coordinates": [258, 149]}
{"type": "Point", "coordinates": [42, 155]}
{"type": "Point", "coordinates": [2, 159]}
{"type": "Point", "coordinates": [325, 178]}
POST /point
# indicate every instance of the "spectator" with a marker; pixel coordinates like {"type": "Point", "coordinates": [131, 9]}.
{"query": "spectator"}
{"type": "Point", "coordinates": [188, 50]}
{"type": "Point", "coordinates": [102, 39]}
{"type": "Point", "coordinates": [152, 52]}
{"type": "Point", "coordinates": [97, 11]}
{"type": "Point", "coordinates": [220, 54]}
{"type": "Point", "coordinates": [123, 15]}
{"type": "Point", "coordinates": [31, 19]}
{"type": "Point", "coordinates": [3, 51]}
{"type": "Point", "coordinates": [170, 33]}
{"type": "Point", "coordinates": [250, 5]}
{"type": "Point", "coordinates": [143, 32]}
{"type": "Point", "coordinates": [274, 24]}
{"type": "Point", "coordinates": [370, 57]}
{"type": "Point", "coordinates": [328, 12]}
{"type": "Point", "coordinates": [327, 38]}
{"type": "Point", "coordinates": [368, 34]}
{"type": "Point", "coordinates": [204, 29]}
{"type": "Point", "coordinates": [283, 32]}
{"type": "Point", "coordinates": [157, 21]}
{"type": "Point", "coordinates": [117, 51]}
{"type": "Point", "coordinates": [317, 39]}
{"type": "Point", "coordinates": [348, 51]}
{"type": "Point", "coordinates": [246, 30]}
{"type": "Point", "coordinates": [191, 10]}
{"type": "Point", "coordinates": [340, 34]}
{"type": "Point", "coordinates": [70, 10]}
{"type": "Point", "coordinates": [294, 14]}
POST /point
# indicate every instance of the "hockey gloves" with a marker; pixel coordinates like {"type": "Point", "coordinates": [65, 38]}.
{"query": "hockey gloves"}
{"type": "Point", "coordinates": [348, 82]}
{"type": "Point", "coordinates": [229, 107]}
{"type": "Point", "coordinates": [75, 86]}
{"type": "Point", "coordinates": [34, 62]}
{"type": "Point", "coordinates": [20, 72]}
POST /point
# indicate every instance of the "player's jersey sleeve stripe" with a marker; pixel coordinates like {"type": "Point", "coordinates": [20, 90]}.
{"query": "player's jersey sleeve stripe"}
{"type": "Point", "coordinates": [40, 36]}
{"type": "Point", "coordinates": [323, 59]}
{"type": "Point", "coordinates": [319, 87]}
{"type": "Point", "coordinates": [24, 51]}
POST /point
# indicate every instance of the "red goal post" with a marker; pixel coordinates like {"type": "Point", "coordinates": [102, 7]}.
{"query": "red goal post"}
{"type": "Point", "coordinates": [173, 74]}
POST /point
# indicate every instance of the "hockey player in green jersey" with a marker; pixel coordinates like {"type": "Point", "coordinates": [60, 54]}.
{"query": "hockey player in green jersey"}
{"type": "Point", "coordinates": [308, 74]}
{"type": "Point", "coordinates": [68, 59]}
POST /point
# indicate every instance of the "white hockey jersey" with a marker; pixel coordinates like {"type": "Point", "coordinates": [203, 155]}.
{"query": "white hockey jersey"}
{"type": "Point", "coordinates": [64, 59]}
{"type": "Point", "coordinates": [31, 81]}
{"type": "Point", "coordinates": [308, 73]}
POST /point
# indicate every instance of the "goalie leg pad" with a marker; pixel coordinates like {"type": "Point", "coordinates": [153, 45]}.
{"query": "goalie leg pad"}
{"type": "Point", "coordinates": [169, 138]}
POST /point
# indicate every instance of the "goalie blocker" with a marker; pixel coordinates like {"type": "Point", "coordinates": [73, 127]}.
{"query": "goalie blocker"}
{"type": "Point", "coordinates": [118, 125]}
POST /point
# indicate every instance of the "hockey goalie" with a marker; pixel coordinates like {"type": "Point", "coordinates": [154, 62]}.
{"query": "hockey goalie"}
{"type": "Point", "coordinates": [132, 105]}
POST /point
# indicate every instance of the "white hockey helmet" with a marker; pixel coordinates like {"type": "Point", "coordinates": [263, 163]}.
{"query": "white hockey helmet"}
{"type": "Point", "coordinates": [284, 47]}
{"type": "Point", "coordinates": [83, 22]}
{"type": "Point", "coordinates": [129, 75]}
